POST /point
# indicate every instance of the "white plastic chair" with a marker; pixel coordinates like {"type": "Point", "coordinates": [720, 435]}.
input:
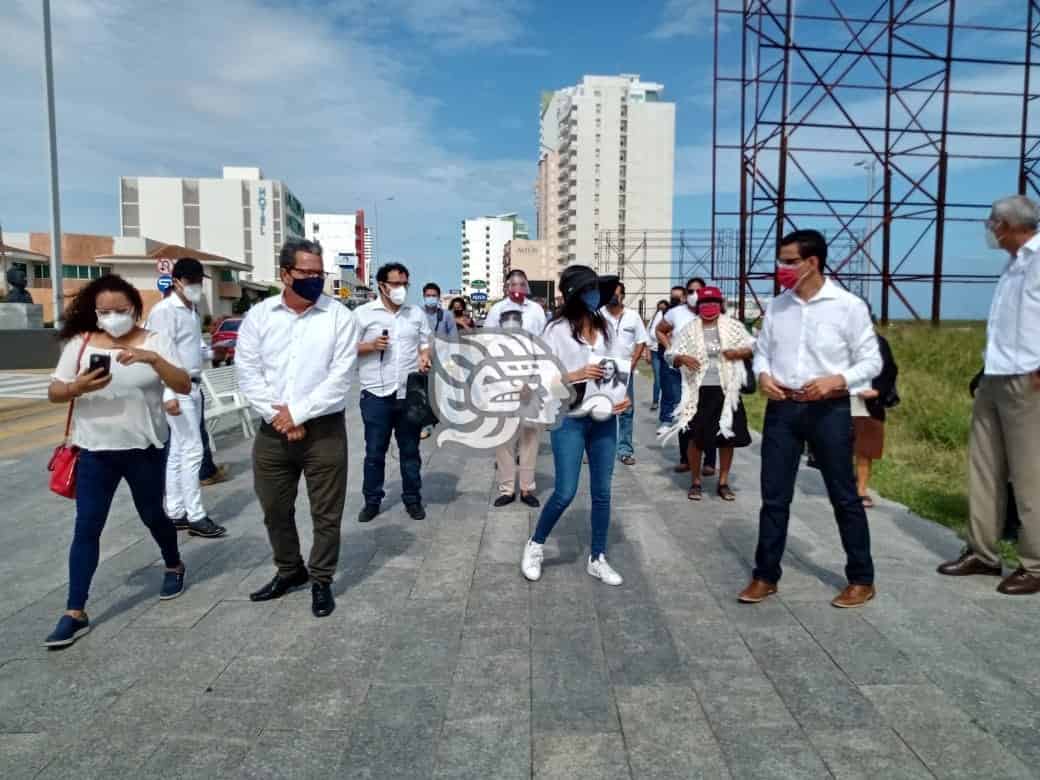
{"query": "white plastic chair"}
{"type": "Point", "coordinates": [223, 398]}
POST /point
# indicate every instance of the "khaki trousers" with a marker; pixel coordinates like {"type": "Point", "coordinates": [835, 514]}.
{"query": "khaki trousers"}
{"type": "Point", "coordinates": [321, 457]}
{"type": "Point", "coordinates": [1005, 447]}
{"type": "Point", "coordinates": [526, 443]}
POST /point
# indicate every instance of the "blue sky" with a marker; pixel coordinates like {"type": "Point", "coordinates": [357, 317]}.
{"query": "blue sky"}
{"type": "Point", "coordinates": [433, 102]}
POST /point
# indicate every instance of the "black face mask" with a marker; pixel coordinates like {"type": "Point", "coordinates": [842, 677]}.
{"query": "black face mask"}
{"type": "Point", "coordinates": [675, 302]}
{"type": "Point", "coordinates": [614, 301]}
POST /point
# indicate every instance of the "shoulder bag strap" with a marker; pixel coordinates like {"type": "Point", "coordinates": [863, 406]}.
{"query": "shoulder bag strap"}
{"type": "Point", "coordinates": [72, 403]}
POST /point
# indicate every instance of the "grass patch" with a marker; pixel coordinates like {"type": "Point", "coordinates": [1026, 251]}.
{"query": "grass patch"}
{"type": "Point", "coordinates": [926, 436]}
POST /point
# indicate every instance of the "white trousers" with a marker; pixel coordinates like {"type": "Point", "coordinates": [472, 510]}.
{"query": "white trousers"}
{"type": "Point", "coordinates": [183, 492]}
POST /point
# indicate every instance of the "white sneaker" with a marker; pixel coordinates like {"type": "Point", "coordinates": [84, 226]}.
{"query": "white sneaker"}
{"type": "Point", "coordinates": [602, 571]}
{"type": "Point", "coordinates": [531, 565]}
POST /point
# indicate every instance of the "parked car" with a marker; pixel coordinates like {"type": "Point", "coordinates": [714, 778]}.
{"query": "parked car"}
{"type": "Point", "coordinates": [223, 340]}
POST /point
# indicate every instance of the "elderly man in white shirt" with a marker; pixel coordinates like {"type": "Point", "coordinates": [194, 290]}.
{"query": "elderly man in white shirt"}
{"type": "Point", "coordinates": [1005, 422]}
{"type": "Point", "coordinates": [294, 358]}
{"type": "Point", "coordinates": [630, 341]}
{"type": "Point", "coordinates": [176, 318]}
{"type": "Point", "coordinates": [394, 342]}
{"type": "Point", "coordinates": [517, 310]}
{"type": "Point", "coordinates": [816, 347]}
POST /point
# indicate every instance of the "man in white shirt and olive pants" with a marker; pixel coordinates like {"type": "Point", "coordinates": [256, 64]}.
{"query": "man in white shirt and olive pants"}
{"type": "Point", "coordinates": [394, 342]}
{"type": "Point", "coordinates": [294, 357]}
{"type": "Point", "coordinates": [817, 346]}
{"type": "Point", "coordinates": [1005, 420]}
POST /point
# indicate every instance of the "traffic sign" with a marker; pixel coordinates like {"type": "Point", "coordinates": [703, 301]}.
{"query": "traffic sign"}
{"type": "Point", "coordinates": [478, 284]}
{"type": "Point", "coordinates": [164, 282]}
{"type": "Point", "coordinates": [164, 266]}
{"type": "Point", "coordinates": [478, 297]}
{"type": "Point", "coordinates": [454, 292]}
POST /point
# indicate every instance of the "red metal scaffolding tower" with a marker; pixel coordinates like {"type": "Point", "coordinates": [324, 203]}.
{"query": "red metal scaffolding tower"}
{"type": "Point", "coordinates": [910, 88]}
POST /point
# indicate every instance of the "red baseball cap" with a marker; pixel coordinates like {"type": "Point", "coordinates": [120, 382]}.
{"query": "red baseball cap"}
{"type": "Point", "coordinates": [710, 294]}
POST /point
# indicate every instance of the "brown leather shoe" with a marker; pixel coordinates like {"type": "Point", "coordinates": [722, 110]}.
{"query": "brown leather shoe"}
{"type": "Point", "coordinates": [682, 468]}
{"type": "Point", "coordinates": [969, 563]}
{"type": "Point", "coordinates": [854, 596]}
{"type": "Point", "coordinates": [757, 591]}
{"type": "Point", "coordinates": [1021, 583]}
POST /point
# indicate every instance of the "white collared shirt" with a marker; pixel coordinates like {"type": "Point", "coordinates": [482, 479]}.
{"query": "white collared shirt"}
{"type": "Point", "coordinates": [829, 334]}
{"type": "Point", "coordinates": [651, 329]}
{"type": "Point", "coordinates": [181, 325]}
{"type": "Point", "coordinates": [679, 317]}
{"type": "Point", "coordinates": [1013, 328]}
{"type": "Point", "coordinates": [532, 316]}
{"type": "Point", "coordinates": [626, 331]}
{"type": "Point", "coordinates": [409, 330]}
{"type": "Point", "coordinates": [302, 360]}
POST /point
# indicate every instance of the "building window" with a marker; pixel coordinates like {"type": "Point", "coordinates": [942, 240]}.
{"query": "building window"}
{"type": "Point", "coordinates": [599, 108]}
{"type": "Point", "coordinates": [41, 271]}
{"type": "Point", "coordinates": [227, 275]}
{"type": "Point", "coordinates": [84, 272]}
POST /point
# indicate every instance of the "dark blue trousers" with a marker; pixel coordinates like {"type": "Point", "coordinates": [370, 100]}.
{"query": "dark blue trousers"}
{"type": "Point", "coordinates": [382, 416]}
{"type": "Point", "coordinates": [827, 427]}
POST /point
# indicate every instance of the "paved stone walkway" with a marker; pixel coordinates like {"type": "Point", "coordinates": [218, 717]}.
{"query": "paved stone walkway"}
{"type": "Point", "coordinates": [441, 661]}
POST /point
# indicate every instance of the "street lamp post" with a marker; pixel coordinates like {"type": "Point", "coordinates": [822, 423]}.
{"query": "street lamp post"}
{"type": "Point", "coordinates": [57, 295]}
{"type": "Point", "coordinates": [377, 242]}
{"type": "Point", "coordinates": [870, 166]}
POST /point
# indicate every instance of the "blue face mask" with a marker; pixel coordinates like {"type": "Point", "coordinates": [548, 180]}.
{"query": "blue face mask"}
{"type": "Point", "coordinates": [431, 301]}
{"type": "Point", "coordinates": [591, 299]}
{"type": "Point", "coordinates": [309, 289]}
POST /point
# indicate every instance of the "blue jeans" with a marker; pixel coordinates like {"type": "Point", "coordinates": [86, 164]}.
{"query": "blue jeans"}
{"type": "Point", "coordinates": [382, 416]}
{"type": "Point", "coordinates": [656, 357]}
{"type": "Point", "coordinates": [98, 474]}
{"type": "Point", "coordinates": [577, 435]}
{"type": "Point", "coordinates": [827, 427]}
{"type": "Point", "coordinates": [625, 422]}
{"type": "Point", "coordinates": [671, 389]}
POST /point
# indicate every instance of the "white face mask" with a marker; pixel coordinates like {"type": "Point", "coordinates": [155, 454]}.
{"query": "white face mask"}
{"type": "Point", "coordinates": [116, 324]}
{"type": "Point", "coordinates": [192, 292]}
{"type": "Point", "coordinates": [397, 295]}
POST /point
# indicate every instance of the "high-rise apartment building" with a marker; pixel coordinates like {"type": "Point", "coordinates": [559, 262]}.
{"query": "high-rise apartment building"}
{"type": "Point", "coordinates": [242, 215]}
{"type": "Point", "coordinates": [611, 140]}
{"type": "Point", "coordinates": [346, 244]}
{"type": "Point", "coordinates": [484, 241]}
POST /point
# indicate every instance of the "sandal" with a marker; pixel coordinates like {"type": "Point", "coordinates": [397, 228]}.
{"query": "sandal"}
{"type": "Point", "coordinates": [628, 460]}
{"type": "Point", "coordinates": [695, 493]}
{"type": "Point", "coordinates": [868, 502]}
{"type": "Point", "coordinates": [726, 493]}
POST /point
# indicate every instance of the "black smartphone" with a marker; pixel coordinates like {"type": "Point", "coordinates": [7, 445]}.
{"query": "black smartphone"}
{"type": "Point", "coordinates": [104, 362]}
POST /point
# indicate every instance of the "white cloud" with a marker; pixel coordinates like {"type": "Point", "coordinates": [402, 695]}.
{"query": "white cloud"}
{"type": "Point", "coordinates": [686, 17]}
{"type": "Point", "coordinates": [182, 88]}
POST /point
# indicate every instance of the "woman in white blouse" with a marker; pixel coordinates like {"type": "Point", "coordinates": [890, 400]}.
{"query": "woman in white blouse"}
{"type": "Point", "coordinates": [120, 429]}
{"type": "Point", "coordinates": [578, 336]}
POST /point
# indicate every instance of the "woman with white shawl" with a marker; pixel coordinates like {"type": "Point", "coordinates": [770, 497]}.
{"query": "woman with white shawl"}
{"type": "Point", "coordinates": [710, 351]}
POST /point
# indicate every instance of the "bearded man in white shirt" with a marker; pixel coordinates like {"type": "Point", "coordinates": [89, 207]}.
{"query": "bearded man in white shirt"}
{"type": "Point", "coordinates": [177, 318]}
{"type": "Point", "coordinates": [816, 347]}
{"type": "Point", "coordinates": [394, 342]}
{"type": "Point", "coordinates": [294, 357]}
{"type": "Point", "coordinates": [517, 310]}
{"type": "Point", "coordinates": [1005, 421]}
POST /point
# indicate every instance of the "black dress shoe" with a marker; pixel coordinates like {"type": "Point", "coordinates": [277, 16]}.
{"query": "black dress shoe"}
{"type": "Point", "coordinates": [504, 500]}
{"type": "Point", "coordinates": [530, 499]}
{"type": "Point", "coordinates": [968, 564]}
{"type": "Point", "coordinates": [368, 513]}
{"type": "Point", "coordinates": [322, 602]}
{"type": "Point", "coordinates": [416, 511]}
{"type": "Point", "coordinates": [280, 585]}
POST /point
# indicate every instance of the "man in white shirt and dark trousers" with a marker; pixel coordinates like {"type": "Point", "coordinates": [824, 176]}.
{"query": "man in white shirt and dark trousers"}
{"type": "Point", "coordinates": [517, 310]}
{"type": "Point", "coordinates": [176, 318]}
{"type": "Point", "coordinates": [294, 358]}
{"type": "Point", "coordinates": [816, 347]}
{"type": "Point", "coordinates": [394, 342]}
{"type": "Point", "coordinates": [1005, 421]}
{"type": "Point", "coordinates": [630, 340]}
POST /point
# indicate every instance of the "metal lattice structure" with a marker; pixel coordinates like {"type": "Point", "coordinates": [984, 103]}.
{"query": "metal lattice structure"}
{"type": "Point", "coordinates": [636, 257]}
{"type": "Point", "coordinates": [938, 105]}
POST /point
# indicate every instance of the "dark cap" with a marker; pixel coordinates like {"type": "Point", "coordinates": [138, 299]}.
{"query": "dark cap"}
{"type": "Point", "coordinates": [575, 279]}
{"type": "Point", "coordinates": [188, 268]}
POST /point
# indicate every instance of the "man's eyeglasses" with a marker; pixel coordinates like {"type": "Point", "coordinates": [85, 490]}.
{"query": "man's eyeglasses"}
{"type": "Point", "coordinates": [395, 285]}
{"type": "Point", "coordinates": [302, 273]}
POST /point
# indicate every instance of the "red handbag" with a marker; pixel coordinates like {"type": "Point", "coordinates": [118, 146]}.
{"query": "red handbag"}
{"type": "Point", "coordinates": [62, 465]}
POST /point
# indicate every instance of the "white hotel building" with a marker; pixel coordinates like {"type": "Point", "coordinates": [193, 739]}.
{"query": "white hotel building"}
{"type": "Point", "coordinates": [484, 242]}
{"type": "Point", "coordinates": [614, 144]}
{"type": "Point", "coordinates": [242, 215]}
